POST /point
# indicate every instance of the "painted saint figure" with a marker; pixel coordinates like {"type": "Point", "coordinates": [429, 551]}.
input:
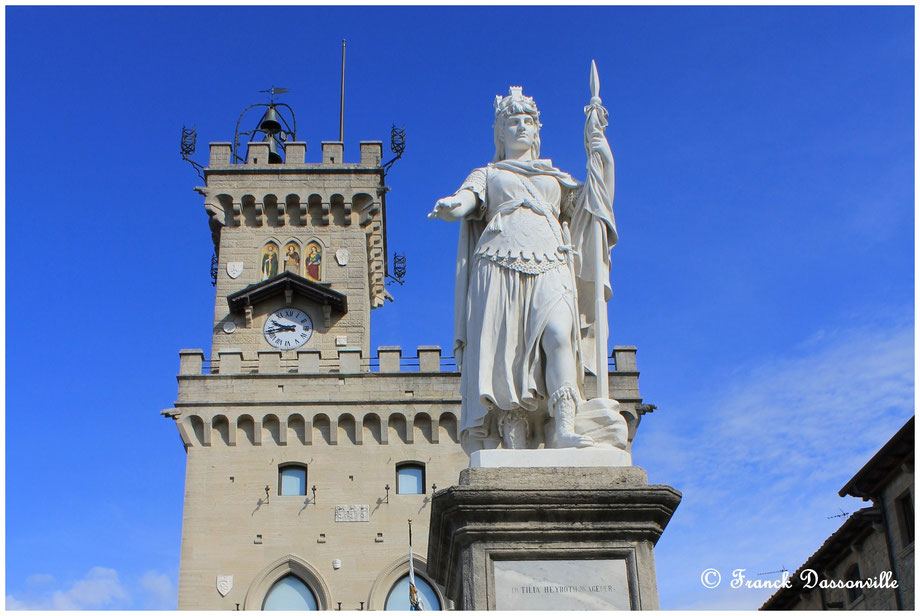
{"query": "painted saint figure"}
{"type": "Point", "coordinates": [292, 258]}
{"type": "Point", "coordinates": [518, 329]}
{"type": "Point", "coordinates": [313, 262]}
{"type": "Point", "coordinates": [269, 262]}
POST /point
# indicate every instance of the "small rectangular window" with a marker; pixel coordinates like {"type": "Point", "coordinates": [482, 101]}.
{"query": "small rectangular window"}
{"type": "Point", "coordinates": [852, 575]}
{"type": "Point", "coordinates": [292, 480]}
{"type": "Point", "coordinates": [410, 479]}
{"type": "Point", "coordinates": [905, 508]}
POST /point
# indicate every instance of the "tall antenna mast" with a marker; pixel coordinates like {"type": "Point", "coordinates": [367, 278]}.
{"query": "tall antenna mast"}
{"type": "Point", "coordinates": [342, 99]}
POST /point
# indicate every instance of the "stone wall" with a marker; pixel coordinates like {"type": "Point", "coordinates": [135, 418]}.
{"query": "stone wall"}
{"type": "Point", "coordinates": [350, 420]}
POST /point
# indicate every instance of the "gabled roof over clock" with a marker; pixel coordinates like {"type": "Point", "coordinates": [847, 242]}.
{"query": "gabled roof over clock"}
{"type": "Point", "coordinates": [288, 282]}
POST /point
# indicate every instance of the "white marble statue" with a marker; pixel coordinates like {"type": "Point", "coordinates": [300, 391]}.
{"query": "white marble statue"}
{"type": "Point", "coordinates": [533, 243]}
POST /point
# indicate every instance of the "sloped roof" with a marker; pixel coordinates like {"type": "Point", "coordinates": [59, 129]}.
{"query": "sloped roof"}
{"type": "Point", "coordinates": [288, 281]}
{"type": "Point", "coordinates": [856, 527]}
{"type": "Point", "coordinates": [871, 479]}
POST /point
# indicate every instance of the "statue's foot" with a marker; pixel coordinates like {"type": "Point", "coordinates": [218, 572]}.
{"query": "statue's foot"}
{"type": "Point", "coordinates": [560, 430]}
{"type": "Point", "coordinates": [558, 438]}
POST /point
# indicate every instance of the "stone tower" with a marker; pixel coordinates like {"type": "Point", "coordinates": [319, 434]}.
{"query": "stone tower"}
{"type": "Point", "coordinates": [306, 452]}
{"type": "Point", "coordinates": [306, 455]}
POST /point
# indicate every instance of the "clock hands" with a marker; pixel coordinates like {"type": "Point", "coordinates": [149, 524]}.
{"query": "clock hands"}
{"type": "Point", "coordinates": [280, 328]}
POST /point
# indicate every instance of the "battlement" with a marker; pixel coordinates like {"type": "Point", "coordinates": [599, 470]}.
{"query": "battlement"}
{"type": "Point", "coordinates": [333, 153]}
{"type": "Point", "coordinates": [389, 359]}
{"type": "Point", "coordinates": [346, 399]}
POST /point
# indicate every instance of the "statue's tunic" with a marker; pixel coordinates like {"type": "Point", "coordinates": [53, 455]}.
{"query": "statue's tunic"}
{"type": "Point", "coordinates": [515, 274]}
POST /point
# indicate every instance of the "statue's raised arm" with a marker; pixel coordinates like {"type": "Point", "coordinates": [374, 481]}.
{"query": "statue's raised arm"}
{"type": "Point", "coordinates": [518, 330]}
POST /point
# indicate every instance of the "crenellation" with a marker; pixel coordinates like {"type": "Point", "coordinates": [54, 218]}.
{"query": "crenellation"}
{"type": "Point", "coordinates": [429, 358]}
{"type": "Point", "coordinates": [220, 154]}
{"type": "Point", "coordinates": [269, 362]}
{"type": "Point", "coordinates": [349, 361]}
{"type": "Point", "coordinates": [191, 361]}
{"type": "Point", "coordinates": [295, 153]}
{"type": "Point", "coordinates": [625, 358]}
{"type": "Point", "coordinates": [231, 361]}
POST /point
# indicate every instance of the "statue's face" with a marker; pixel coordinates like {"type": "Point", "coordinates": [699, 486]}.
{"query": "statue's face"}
{"type": "Point", "coordinates": [519, 133]}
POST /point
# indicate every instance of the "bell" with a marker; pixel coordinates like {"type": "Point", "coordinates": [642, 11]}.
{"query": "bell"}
{"type": "Point", "coordinates": [270, 123]}
{"type": "Point", "coordinates": [274, 156]}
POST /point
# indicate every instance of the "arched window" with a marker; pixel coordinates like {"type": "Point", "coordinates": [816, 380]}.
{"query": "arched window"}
{"type": "Point", "coordinates": [398, 598]}
{"type": "Point", "coordinates": [852, 575]}
{"type": "Point", "coordinates": [410, 478]}
{"type": "Point", "coordinates": [292, 479]}
{"type": "Point", "coordinates": [290, 593]}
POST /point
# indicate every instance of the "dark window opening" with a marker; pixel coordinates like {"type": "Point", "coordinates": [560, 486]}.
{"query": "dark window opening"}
{"type": "Point", "coordinates": [853, 576]}
{"type": "Point", "coordinates": [905, 508]}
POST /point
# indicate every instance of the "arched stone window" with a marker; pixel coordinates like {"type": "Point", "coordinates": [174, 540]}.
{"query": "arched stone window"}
{"type": "Point", "coordinates": [398, 597]}
{"type": "Point", "coordinates": [270, 583]}
{"type": "Point", "coordinates": [410, 478]}
{"type": "Point", "coordinates": [390, 590]}
{"type": "Point", "coordinates": [292, 479]}
{"type": "Point", "coordinates": [290, 593]}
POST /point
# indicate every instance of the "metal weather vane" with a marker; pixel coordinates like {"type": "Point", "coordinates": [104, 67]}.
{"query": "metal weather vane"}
{"type": "Point", "coordinates": [273, 92]}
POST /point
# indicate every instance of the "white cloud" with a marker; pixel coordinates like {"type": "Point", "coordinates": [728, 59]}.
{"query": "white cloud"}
{"type": "Point", "coordinates": [100, 588]}
{"type": "Point", "coordinates": [39, 579]}
{"type": "Point", "coordinates": [161, 594]}
{"type": "Point", "coordinates": [760, 457]}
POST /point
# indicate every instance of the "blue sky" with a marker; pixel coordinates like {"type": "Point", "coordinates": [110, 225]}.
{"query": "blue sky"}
{"type": "Point", "coordinates": [764, 201]}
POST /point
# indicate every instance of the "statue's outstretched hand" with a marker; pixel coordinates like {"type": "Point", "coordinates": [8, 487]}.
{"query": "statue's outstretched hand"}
{"type": "Point", "coordinates": [443, 206]}
{"type": "Point", "coordinates": [454, 207]}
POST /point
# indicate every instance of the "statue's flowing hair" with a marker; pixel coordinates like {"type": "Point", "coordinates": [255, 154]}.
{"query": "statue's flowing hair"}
{"type": "Point", "coordinates": [515, 107]}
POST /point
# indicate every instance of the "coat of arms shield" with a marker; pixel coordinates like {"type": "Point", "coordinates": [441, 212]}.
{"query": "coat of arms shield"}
{"type": "Point", "coordinates": [234, 268]}
{"type": "Point", "coordinates": [224, 584]}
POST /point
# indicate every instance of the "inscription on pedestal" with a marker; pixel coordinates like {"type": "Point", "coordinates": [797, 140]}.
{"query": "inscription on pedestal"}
{"type": "Point", "coordinates": [561, 584]}
{"type": "Point", "coordinates": [352, 513]}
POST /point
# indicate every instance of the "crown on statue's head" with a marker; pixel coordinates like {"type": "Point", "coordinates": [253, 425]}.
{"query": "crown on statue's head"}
{"type": "Point", "coordinates": [514, 103]}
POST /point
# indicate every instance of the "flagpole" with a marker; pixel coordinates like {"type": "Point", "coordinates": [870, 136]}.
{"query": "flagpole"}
{"type": "Point", "coordinates": [414, 603]}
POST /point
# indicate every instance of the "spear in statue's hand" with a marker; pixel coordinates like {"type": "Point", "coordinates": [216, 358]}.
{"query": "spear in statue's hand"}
{"type": "Point", "coordinates": [593, 234]}
{"type": "Point", "coordinates": [593, 225]}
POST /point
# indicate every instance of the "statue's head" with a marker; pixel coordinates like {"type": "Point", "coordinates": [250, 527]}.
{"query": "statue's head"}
{"type": "Point", "coordinates": [515, 104]}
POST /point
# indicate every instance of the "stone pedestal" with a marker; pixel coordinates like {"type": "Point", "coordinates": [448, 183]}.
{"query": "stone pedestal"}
{"type": "Point", "coordinates": [549, 538]}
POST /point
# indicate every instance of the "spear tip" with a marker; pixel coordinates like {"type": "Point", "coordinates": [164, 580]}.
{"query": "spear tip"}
{"type": "Point", "coordinates": [594, 82]}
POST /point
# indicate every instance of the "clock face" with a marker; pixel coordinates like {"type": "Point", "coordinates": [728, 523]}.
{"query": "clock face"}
{"type": "Point", "coordinates": [288, 328]}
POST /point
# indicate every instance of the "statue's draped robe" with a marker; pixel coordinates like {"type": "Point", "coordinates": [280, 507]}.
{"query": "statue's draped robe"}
{"type": "Point", "coordinates": [512, 274]}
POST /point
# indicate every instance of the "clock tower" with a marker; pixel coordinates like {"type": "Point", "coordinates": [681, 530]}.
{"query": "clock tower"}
{"type": "Point", "coordinates": [301, 249]}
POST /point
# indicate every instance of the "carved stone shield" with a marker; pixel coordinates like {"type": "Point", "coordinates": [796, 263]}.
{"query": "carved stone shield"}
{"type": "Point", "coordinates": [234, 268]}
{"type": "Point", "coordinates": [341, 256]}
{"type": "Point", "coordinates": [224, 584]}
